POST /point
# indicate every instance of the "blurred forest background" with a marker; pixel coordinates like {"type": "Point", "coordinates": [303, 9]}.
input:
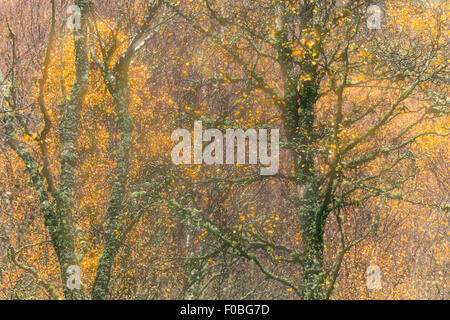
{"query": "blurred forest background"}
{"type": "Point", "coordinates": [88, 103]}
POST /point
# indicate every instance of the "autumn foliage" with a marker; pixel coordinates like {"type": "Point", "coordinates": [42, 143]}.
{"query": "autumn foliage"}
{"type": "Point", "coordinates": [86, 177]}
